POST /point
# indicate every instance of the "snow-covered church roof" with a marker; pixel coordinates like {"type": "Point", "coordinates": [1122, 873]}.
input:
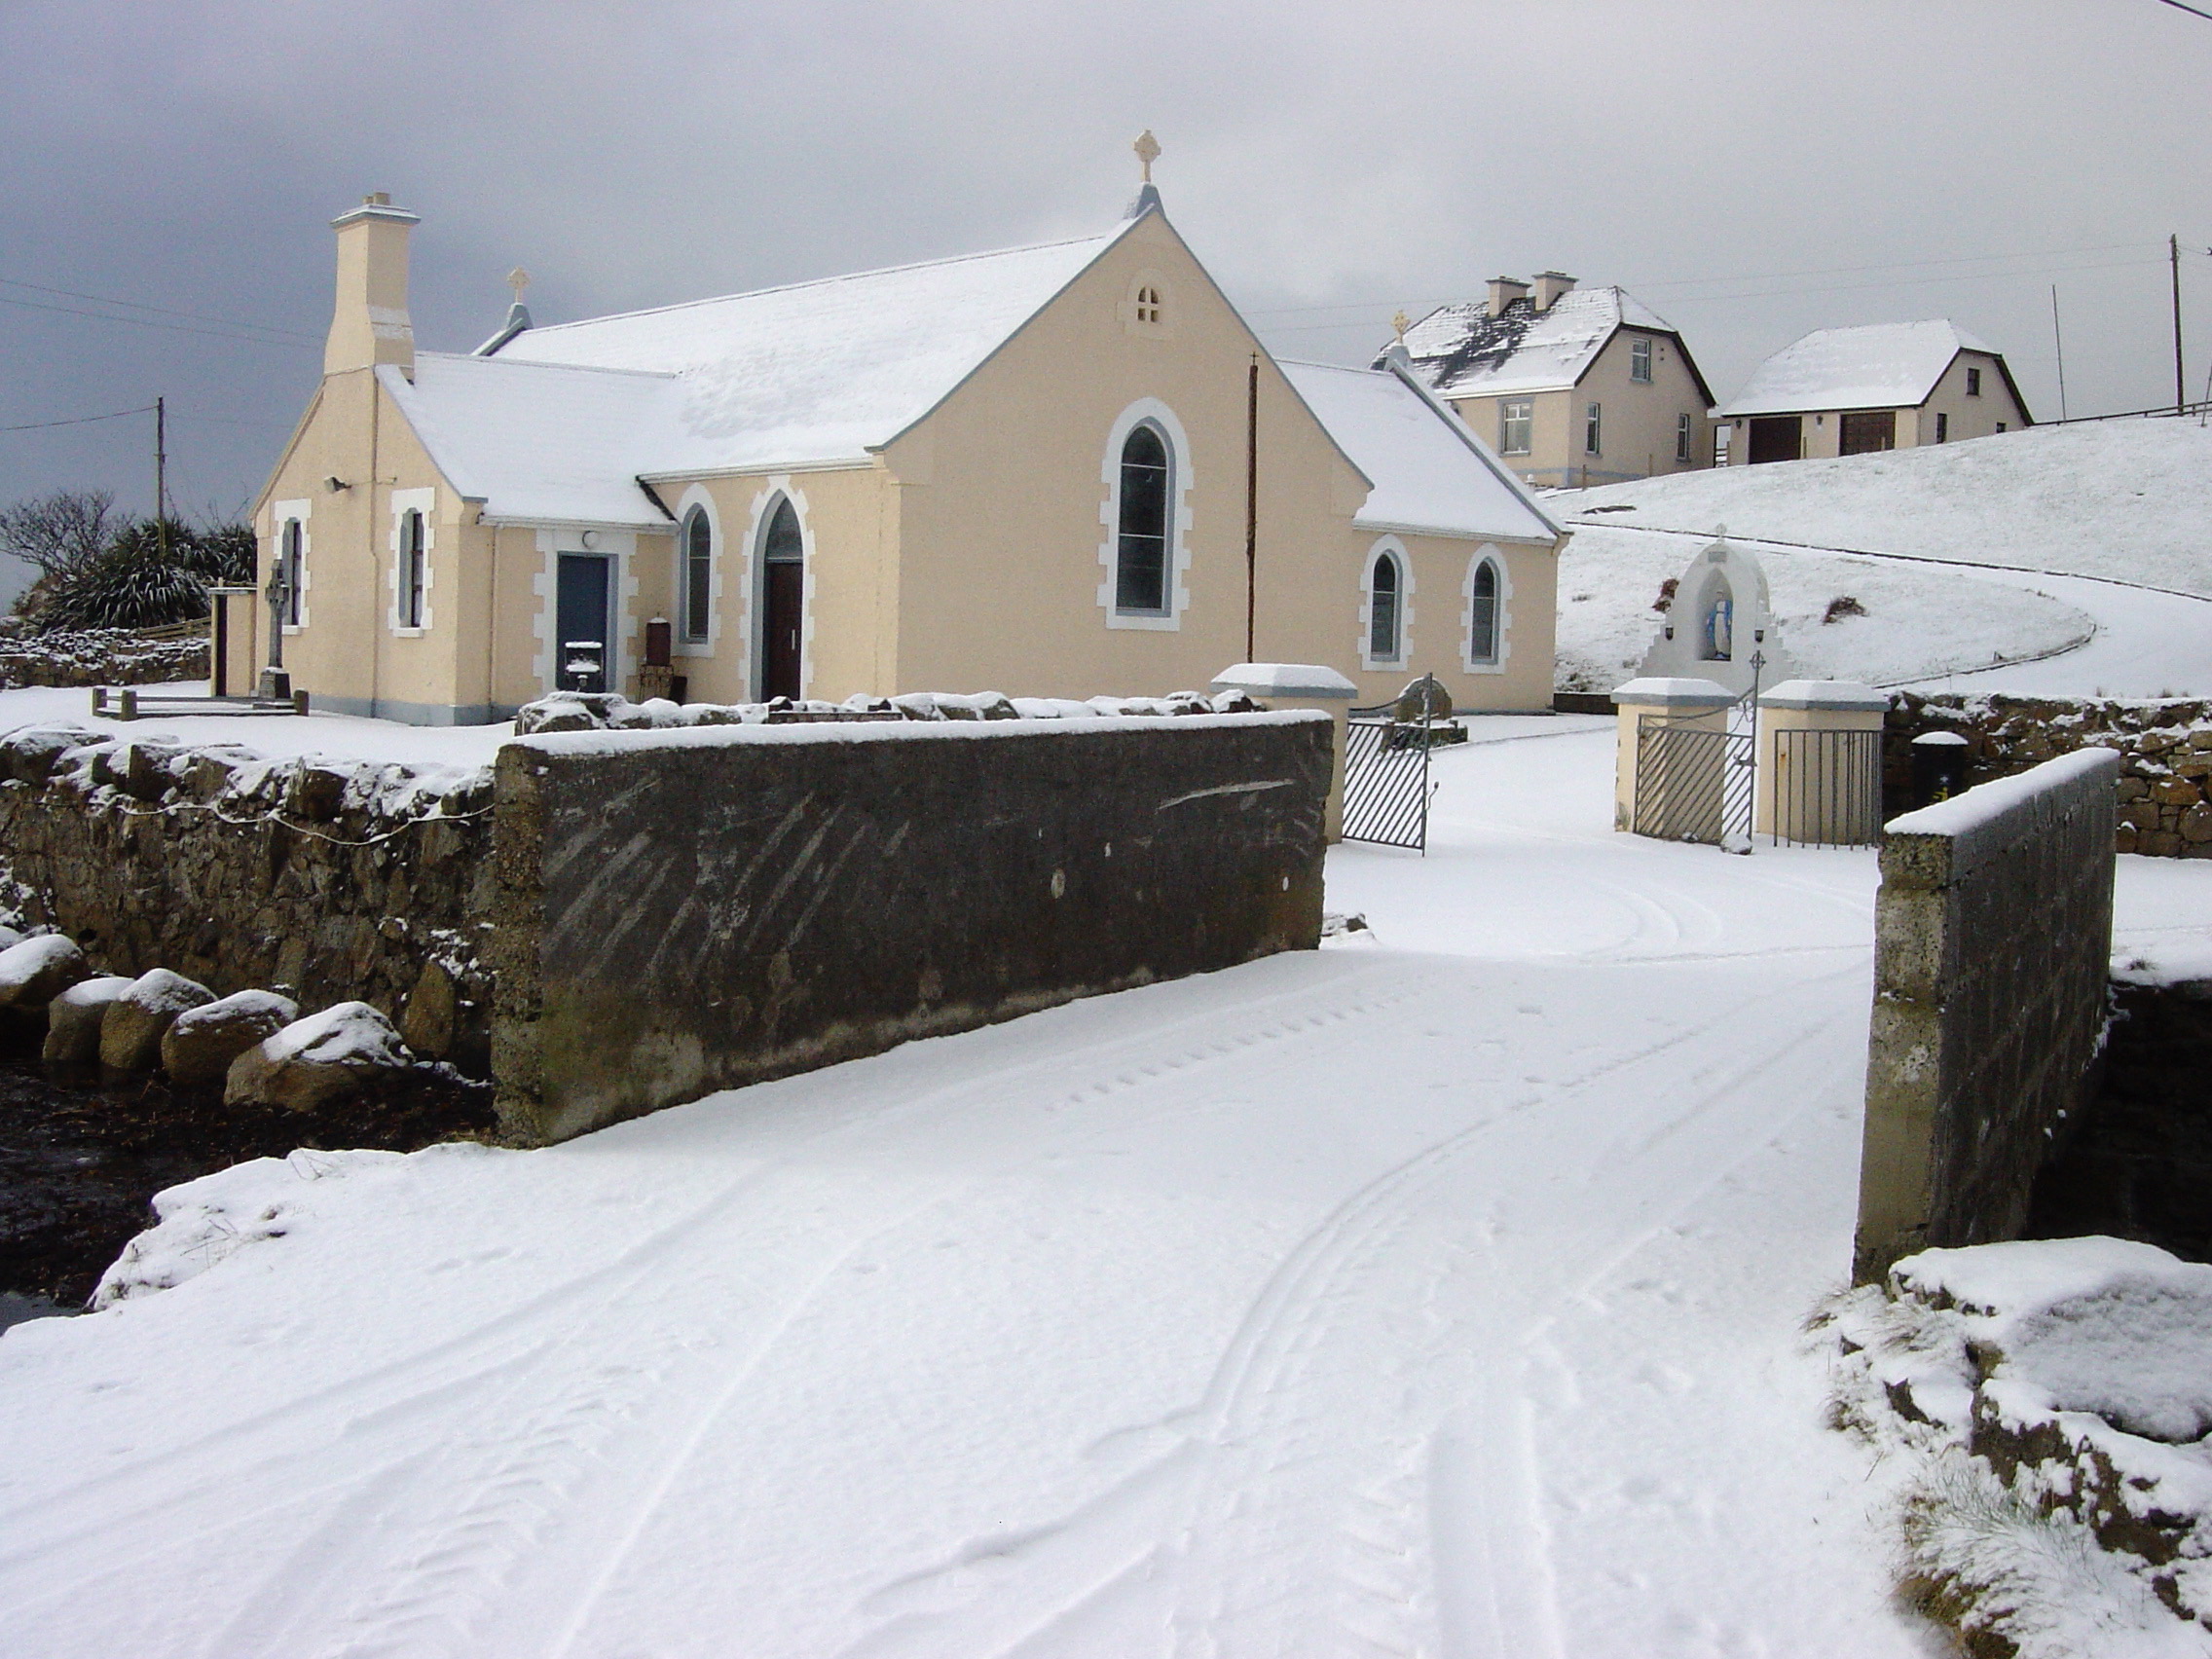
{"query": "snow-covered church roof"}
{"type": "Point", "coordinates": [563, 419]}
{"type": "Point", "coordinates": [1885, 365]}
{"type": "Point", "coordinates": [1461, 350]}
{"type": "Point", "coordinates": [1430, 473]}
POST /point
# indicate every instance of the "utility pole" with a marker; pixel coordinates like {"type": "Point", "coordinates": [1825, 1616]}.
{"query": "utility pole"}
{"type": "Point", "coordinates": [160, 477]}
{"type": "Point", "coordinates": [2180, 389]}
{"type": "Point", "coordinates": [2058, 340]}
{"type": "Point", "coordinates": [1251, 507]}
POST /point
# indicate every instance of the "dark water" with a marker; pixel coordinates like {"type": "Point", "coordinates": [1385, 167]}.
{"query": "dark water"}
{"type": "Point", "coordinates": [79, 1161]}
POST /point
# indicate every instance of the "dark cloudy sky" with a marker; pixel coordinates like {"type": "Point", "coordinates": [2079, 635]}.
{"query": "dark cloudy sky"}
{"type": "Point", "coordinates": [1752, 168]}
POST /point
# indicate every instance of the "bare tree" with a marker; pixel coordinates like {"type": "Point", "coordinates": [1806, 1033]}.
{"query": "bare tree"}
{"type": "Point", "coordinates": [61, 533]}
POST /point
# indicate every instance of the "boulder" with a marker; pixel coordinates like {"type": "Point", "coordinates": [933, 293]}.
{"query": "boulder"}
{"type": "Point", "coordinates": [316, 1061]}
{"type": "Point", "coordinates": [9, 936]}
{"type": "Point", "coordinates": [73, 1020]}
{"type": "Point", "coordinates": [201, 1042]}
{"type": "Point", "coordinates": [132, 1028]}
{"type": "Point", "coordinates": [427, 1022]}
{"type": "Point", "coordinates": [34, 972]}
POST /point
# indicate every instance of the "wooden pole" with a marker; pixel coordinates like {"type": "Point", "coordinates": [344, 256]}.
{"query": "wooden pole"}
{"type": "Point", "coordinates": [1251, 508]}
{"type": "Point", "coordinates": [161, 476]}
{"type": "Point", "coordinates": [2180, 389]}
{"type": "Point", "coordinates": [2058, 340]}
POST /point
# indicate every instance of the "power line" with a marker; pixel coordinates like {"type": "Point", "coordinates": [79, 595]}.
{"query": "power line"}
{"type": "Point", "coordinates": [80, 420]}
{"type": "Point", "coordinates": [2190, 10]}
{"type": "Point", "coordinates": [149, 322]}
{"type": "Point", "coordinates": [162, 310]}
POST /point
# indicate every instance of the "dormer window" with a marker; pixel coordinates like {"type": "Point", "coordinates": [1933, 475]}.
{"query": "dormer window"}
{"type": "Point", "coordinates": [1148, 304]}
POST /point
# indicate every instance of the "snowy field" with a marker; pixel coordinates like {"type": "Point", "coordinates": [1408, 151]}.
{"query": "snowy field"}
{"type": "Point", "coordinates": [1438, 1292]}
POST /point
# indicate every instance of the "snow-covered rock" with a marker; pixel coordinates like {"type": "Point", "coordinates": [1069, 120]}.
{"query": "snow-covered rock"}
{"type": "Point", "coordinates": [201, 1042]}
{"type": "Point", "coordinates": [35, 971]}
{"type": "Point", "coordinates": [315, 1061]}
{"type": "Point", "coordinates": [132, 1026]}
{"type": "Point", "coordinates": [73, 1020]}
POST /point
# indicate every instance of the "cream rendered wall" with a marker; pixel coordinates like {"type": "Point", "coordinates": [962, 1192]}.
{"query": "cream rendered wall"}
{"type": "Point", "coordinates": [347, 655]}
{"type": "Point", "coordinates": [1547, 461]}
{"type": "Point", "coordinates": [1970, 416]}
{"type": "Point", "coordinates": [1001, 491]}
{"type": "Point", "coordinates": [1434, 626]}
{"type": "Point", "coordinates": [1638, 422]}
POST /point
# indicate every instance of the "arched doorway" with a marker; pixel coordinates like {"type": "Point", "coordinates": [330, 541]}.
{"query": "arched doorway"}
{"type": "Point", "coordinates": [783, 603]}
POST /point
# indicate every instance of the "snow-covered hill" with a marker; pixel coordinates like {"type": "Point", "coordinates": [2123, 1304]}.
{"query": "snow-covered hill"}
{"type": "Point", "coordinates": [2126, 499]}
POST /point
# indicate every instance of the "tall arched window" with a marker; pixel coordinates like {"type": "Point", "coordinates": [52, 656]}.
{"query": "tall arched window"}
{"type": "Point", "coordinates": [1141, 560]}
{"type": "Point", "coordinates": [783, 603]}
{"type": "Point", "coordinates": [1482, 613]}
{"type": "Point", "coordinates": [1384, 611]}
{"type": "Point", "coordinates": [292, 569]}
{"type": "Point", "coordinates": [698, 572]}
{"type": "Point", "coordinates": [411, 570]}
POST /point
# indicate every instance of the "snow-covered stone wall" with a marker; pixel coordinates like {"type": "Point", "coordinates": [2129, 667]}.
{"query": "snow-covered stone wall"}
{"type": "Point", "coordinates": [1991, 952]}
{"type": "Point", "coordinates": [2164, 750]}
{"type": "Point", "coordinates": [100, 656]}
{"type": "Point", "coordinates": [689, 909]}
{"type": "Point", "coordinates": [334, 880]}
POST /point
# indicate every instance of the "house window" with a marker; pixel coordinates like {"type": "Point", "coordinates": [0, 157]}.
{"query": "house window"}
{"type": "Point", "coordinates": [290, 571]}
{"type": "Point", "coordinates": [2000, 425]}
{"type": "Point", "coordinates": [698, 572]}
{"type": "Point", "coordinates": [1382, 610]}
{"type": "Point", "coordinates": [1513, 425]}
{"type": "Point", "coordinates": [1141, 563]}
{"type": "Point", "coordinates": [1482, 613]}
{"type": "Point", "coordinates": [1590, 416]}
{"type": "Point", "coordinates": [1974, 383]}
{"type": "Point", "coordinates": [411, 570]}
{"type": "Point", "coordinates": [1682, 437]}
{"type": "Point", "coordinates": [1942, 426]}
{"type": "Point", "coordinates": [1148, 304]}
{"type": "Point", "coordinates": [1640, 361]}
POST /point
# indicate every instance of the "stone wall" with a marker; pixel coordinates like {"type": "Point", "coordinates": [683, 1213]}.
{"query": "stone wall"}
{"type": "Point", "coordinates": [1992, 947]}
{"type": "Point", "coordinates": [336, 882]}
{"type": "Point", "coordinates": [2165, 751]}
{"type": "Point", "coordinates": [100, 656]}
{"type": "Point", "coordinates": [681, 912]}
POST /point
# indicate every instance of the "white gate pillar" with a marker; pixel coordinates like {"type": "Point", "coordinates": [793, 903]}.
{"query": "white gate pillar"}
{"type": "Point", "coordinates": [1789, 807]}
{"type": "Point", "coordinates": [1303, 686]}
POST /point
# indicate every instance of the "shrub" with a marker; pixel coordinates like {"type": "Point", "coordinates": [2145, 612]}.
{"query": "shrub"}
{"type": "Point", "coordinates": [149, 576]}
{"type": "Point", "coordinates": [1842, 606]}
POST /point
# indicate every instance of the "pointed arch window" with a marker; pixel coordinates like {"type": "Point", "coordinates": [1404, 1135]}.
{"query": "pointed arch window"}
{"type": "Point", "coordinates": [292, 572]}
{"type": "Point", "coordinates": [698, 573]}
{"type": "Point", "coordinates": [411, 568]}
{"type": "Point", "coordinates": [1385, 610]}
{"type": "Point", "coordinates": [1482, 613]}
{"type": "Point", "coordinates": [1141, 559]}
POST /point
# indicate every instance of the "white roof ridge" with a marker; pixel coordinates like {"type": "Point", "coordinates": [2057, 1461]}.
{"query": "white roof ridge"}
{"type": "Point", "coordinates": [824, 281]}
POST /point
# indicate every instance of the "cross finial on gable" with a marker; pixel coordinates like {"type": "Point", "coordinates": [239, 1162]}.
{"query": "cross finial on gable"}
{"type": "Point", "coordinates": [518, 279]}
{"type": "Point", "coordinates": [1400, 322]}
{"type": "Point", "coordinates": [1147, 148]}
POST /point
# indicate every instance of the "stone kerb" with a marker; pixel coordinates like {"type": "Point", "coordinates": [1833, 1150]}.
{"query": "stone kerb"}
{"type": "Point", "coordinates": [1303, 686]}
{"type": "Point", "coordinates": [687, 911]}
{"type": "Point", "coordinates": [1692, 701]}
{"type": "Point", "coordinates": [1993, 939]}
{"type": "Point", "coordinates": [1785, 808]}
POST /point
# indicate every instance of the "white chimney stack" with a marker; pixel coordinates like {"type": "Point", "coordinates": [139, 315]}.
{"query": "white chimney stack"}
{"type": "Point", "coordinates": [1551, 285]}
{"type": "Point", "coordinates": [370, 324]}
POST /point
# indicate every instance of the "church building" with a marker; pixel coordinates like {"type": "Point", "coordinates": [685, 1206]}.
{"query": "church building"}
{"type": "Point", "coordinates": [1058, 470]}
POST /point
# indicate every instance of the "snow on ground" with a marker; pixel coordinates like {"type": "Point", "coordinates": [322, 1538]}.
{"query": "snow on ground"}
{"type": "Point", "coordinates": [1438, 1292]}
{"type": "Point", "coordinates": [342, 737]}
{"type": "Point", "coordinates": [2127, 499]}
{"type": "Point", "coordinates": [1920, 620]}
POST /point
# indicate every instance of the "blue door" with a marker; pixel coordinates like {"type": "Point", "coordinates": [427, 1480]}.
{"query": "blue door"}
{"type": "Point", "coordinates": [583, 645]}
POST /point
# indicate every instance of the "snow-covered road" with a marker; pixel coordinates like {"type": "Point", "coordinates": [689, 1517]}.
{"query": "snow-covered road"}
{"type": "Point", "coordinates": [2149, 643]}
{"type": "Point", "coordinates": [1436, 1293]}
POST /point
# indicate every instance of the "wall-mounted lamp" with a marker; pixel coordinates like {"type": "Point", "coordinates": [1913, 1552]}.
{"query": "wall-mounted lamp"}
{"type": "Point", "coordinates": [334, 484]}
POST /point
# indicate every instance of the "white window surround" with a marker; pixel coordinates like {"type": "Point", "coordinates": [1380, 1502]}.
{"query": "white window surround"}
{"type": "Point", "coordinates": [1640, 360]}
{"type": "Point", "coordinates": [1392, 548]}
{"type": "Point", "coordinates": [304, 512]}
{"type": "Point", "coordinates": [776, 486]}
{"type": "Point", "coordinates": [698, 496]}
{"type": "Point", "coordinates": [1146, 409]}
{"type": "Point", "coordinates": [1487, 553]}
{"type": "Point", "coordinates": [1508, 421]}
{"type": "Point", "coordinates": [404, 501]}
{"type": "Point", "coordinates": [620, 545]}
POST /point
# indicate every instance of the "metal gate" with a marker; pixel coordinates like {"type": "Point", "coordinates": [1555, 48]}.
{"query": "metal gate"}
{"type": "Point", "coordinates": [1386, 786]}
{"type": "Point", "coordinates": [1826, 787]}
{"type": "Point", "coordinates": [1694, 782]}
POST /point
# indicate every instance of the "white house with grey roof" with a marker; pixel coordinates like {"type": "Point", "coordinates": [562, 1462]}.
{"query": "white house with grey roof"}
{"type": "Point", "coordinates": [1571, 386]}
{"type": "Point", "coordinates": [1860, 390]}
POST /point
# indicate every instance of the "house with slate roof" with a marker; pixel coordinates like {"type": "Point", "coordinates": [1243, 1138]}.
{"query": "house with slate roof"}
{"type": "Point", "coordinates": [1859, 391]}
{"type": "Point", "coordinates": [1572, 386]}
{"type": "Point", "coordinates": [1036, 471]}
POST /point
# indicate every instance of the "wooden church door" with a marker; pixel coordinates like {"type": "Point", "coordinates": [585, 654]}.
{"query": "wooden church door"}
{"type": "Point", "coordinates": [784, 605]}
